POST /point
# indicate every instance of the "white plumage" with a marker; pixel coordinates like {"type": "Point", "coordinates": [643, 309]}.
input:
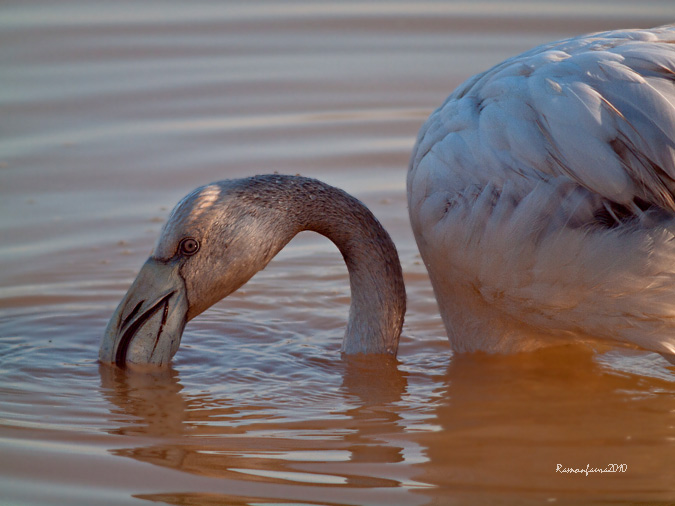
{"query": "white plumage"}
{"type": "Point", "coordinates": [542, 196]}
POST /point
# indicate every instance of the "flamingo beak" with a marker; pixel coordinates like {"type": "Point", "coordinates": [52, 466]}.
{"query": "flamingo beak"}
{"type": "Point", "coordinates": [148, 324]}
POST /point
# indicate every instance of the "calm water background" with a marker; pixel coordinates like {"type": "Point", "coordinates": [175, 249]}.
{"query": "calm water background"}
{"type": "Point", "coordinates": [111, 111]}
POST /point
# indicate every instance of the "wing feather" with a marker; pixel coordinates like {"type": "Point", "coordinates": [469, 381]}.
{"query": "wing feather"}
{"type": "Point", "coordinates": [521, 182]}
{"type": "Point", "coordinates": [598, 110]}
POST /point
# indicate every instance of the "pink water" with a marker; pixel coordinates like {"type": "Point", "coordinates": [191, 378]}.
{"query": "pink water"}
{"type": "Point", "coordinates": [114, 110]}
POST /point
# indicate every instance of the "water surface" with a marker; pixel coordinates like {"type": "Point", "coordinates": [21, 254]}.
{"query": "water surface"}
{"type": "Point", "coordinates": [114, 110]}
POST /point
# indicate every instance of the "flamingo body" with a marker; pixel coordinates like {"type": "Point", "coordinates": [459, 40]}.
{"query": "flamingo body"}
{"type": "Point", "coordinates": [542, 196]}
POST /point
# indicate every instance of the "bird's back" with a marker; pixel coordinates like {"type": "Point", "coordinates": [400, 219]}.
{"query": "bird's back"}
{"type": "Point", "coordinates": [542, 195]}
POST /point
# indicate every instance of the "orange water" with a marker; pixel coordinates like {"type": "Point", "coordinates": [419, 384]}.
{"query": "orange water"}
{"type": "Point", "coordinates": [114, 110]}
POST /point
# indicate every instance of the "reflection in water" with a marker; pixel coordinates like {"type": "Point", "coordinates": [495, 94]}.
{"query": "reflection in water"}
{"type": "Point", "coordinates": [203, 435]}
{"type": "Point", "coordinates": [377, 384]}
{"type": "Point", "coordinates": [152, 396]}
{"type": "Point", "coordinates": [500, 426]}
{"type": "Point", "coordinates": [509, 421]}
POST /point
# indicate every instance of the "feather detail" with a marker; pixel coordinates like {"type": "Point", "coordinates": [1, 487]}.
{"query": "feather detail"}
{"type": "Point", "coordinates": [542, 196]}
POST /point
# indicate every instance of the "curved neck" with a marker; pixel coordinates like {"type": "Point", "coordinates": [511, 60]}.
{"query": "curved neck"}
{"type": "Point", "coordinates": [378, 299]}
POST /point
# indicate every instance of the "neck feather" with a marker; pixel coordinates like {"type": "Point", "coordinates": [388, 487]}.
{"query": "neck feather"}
{"type": "Point", "coordinates": [378, 299]}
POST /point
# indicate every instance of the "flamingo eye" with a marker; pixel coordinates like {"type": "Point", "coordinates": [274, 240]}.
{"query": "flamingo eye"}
{"type": "Point", "coordinates": [188, 246]}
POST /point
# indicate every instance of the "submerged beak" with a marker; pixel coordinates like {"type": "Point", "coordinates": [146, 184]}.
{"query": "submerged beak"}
{"type": "Point", "coordinates": [147, 325]}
